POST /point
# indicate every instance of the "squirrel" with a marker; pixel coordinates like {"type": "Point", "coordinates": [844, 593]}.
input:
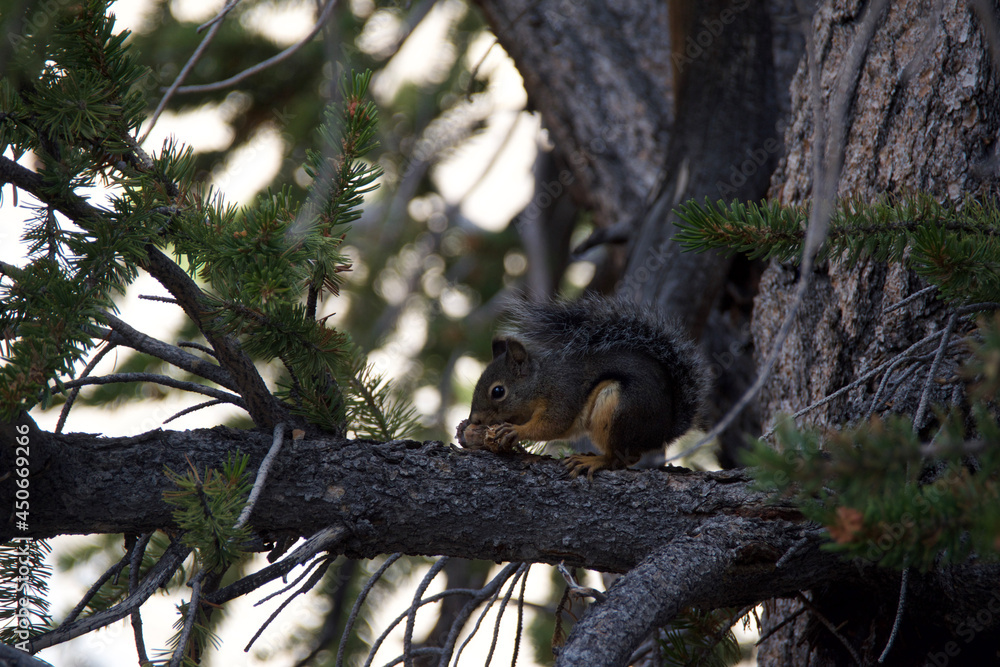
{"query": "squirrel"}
{"type": "Point", "coordinates": [600, 366]}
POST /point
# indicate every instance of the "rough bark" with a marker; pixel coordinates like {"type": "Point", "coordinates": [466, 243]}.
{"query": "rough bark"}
{"type": "Point", "coordinates": [924, 117]}
{"type": "Point", "coordinates": [683, 538]}
{"type": "Point", "coordinates": [419, 498]}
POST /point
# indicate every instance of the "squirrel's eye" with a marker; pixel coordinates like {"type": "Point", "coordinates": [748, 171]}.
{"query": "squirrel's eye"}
{"type": "Point", "coordinates": [498, 392]}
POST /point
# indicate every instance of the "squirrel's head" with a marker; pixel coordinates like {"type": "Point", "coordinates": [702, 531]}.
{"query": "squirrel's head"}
{"type": "Point", "coordinates": [501, 392]}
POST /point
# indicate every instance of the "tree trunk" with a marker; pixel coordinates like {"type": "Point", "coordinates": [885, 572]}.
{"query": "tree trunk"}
{"type": "Point", "coordinates": [924, 116]}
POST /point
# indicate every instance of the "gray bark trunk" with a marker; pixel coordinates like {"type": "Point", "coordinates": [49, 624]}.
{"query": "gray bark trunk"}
{"type": "Point", "coordinates": [924, 117]}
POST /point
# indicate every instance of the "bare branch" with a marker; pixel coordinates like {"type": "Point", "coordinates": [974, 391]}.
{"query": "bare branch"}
{"type": "Point", "coordinates": [932, 371]}
{"type": "Point", "coordinates": [64, 413]}
{"type": "Point", "coordinates": [261, 66]}
{"type": "Point", "coordinates": [156, 577]}
{"type": "Point", "coordinates": [900, 608]}
{"type": "Point", "coordinates": [189, 620]}
{"type": "Point", "coordinates": [135, 563]}
{"type": "Point", "coordinates": [110, 573]}
{"type": "Point", "coordinates": [412, 618]}
{"type": "Point", "coordinates": [362, 596]}
{"type": "Point", "coordinates": [489, 591]}
{"type": "Point", "coordinates": [831, 627]}
{"type": "Point", "coordinates": [577, 589]}
{"type": "Point", "coordinates": [155, 378]}
{"type": "Point", "coordinates": [649, 596]}
{"type": "Point", "coordinates": [306, 587]}
{"type": "Point", "coordinates": [173, 355]}
{"type": "Point", "coordinates": [12, 657]}
{"type": "Point", "coordinates": [860, 380]}
{"type": "Point", "coordinates": [193, 408]}
{"type": "Point", "coordinates": [503, 607]}
{"type": "Point", "coordinates": [188, 66]}
{"type": "Point", "coordinates": [903, 302]}
{"type": "Point", "coordinates": [323, 540]}
{"type": "Point", "coordinates": [229, 6]}
{"type": "Point", "coordinates": [265, 467]}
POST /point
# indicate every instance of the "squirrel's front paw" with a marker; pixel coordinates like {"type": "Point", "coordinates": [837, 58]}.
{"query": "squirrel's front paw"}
{"type": "Point", "coordinates": [504, 439]}
{"type": "Point", "coordinates": [496, 438]}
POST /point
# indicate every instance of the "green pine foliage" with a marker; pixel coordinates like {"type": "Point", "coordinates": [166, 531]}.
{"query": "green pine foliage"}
{"type": "Point", "coordinates": [24, 575]}
{"type": "Point", "coordinates": [888, 497]}
{"type": "Point", "coordinates": [699, 638]}
{"type": "Point", "coordinates": [73, 108]}
{"type": "Point", "coordinates": [953, 246]}
{"type": "Point", "coordinates": [201, 638]}
{"type": "Point", "coordinates": [208, 505]}
{"type": "Point", "coordinates": [884, 494]}
{"type": "Point", "coordinates": [75, 100]}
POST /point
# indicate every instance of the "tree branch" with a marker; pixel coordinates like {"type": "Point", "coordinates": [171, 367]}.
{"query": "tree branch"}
{"type": "Point", "coordinates": [163, 570]}
{"type": "Point", "coordinates": [691, 569]}
{"type": "Point", "coordinates": [265, 410]}
{"type": "Point", "coordinates": [126, 335]}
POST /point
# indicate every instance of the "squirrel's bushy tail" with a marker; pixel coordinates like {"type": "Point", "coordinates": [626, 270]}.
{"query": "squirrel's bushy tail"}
{"type": "Point", "coordinates": [595, 324]}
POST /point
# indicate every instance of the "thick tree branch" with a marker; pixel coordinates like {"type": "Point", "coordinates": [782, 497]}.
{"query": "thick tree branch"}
{"type": "Point", "coordinates": [428, 499]}
{"type": "Point", "coordinates": [695, 568]}
{"type": "Point", "coordinates": [706, 539]}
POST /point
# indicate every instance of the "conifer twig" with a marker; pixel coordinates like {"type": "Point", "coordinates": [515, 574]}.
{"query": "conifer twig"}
{"type": "Point", "coordinates": [258, 484]}
{"type": "Point", "coordinates": [829, 626]}
{"type": "Point", "coordinates": [306, 587]}
{"type": "Point", "coordinates": [263, 65]}
{"type": "Point", "coordinates": [578, 589]}
{"type": "Point", "coordinates": [135, 562]}
{"type": "Point", "coordinates": [125, 334]}
{"type": "Point", "coordinates": [521, 571]}
{"type": "Point", "coordinates": [112, 571]}
{"type": "Point", "coordinates": [194, 387]}
{"type": "Point", "coordinates": [932, 371]}
{"type": "Point", "coordinates": [189, 619]}
{"type": "Point", "coordinates": [864, 378]}
{"type": "Point", "coordinates": [171, 559]}
{"type": "Point", "coordinates": [229, 6]}
{"type": "Point", "coordinates": [520, 616]}
{"type": "Point", "coordinates": [785, 621]}
{"type": "Point", "coordinates": [322, 540]}
{"type": "Point", "coordinates": [71, 399]}
{"type": "Point", "coordinates": [193, 408]}
{"type": "Point", "coordinates": [483, 613]}
{"type": "Point", "coordinates": [489, 591]}
{"type": "Point", "coordinates": [913, 297]}
{"type": "Point", "coordinates": [352, 617]}
{"type": "Point", "coordinates": [403, 616]}
{"type": "Point", "coordinates": [188, 66]}
{"type": "Point", "coordinates": [900, 608]}
{"type": "Point", "coordinates": [412, 618]}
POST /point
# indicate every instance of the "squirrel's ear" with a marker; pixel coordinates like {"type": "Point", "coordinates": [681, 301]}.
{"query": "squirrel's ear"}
{"type": "Point", "coordinates": [516, 351]}
{"type": "Point", "coordinates": [499, 346]}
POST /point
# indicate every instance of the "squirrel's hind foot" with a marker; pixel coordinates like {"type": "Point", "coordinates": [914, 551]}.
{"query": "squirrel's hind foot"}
{"type": "Point", "coordinates": [577, 464]}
